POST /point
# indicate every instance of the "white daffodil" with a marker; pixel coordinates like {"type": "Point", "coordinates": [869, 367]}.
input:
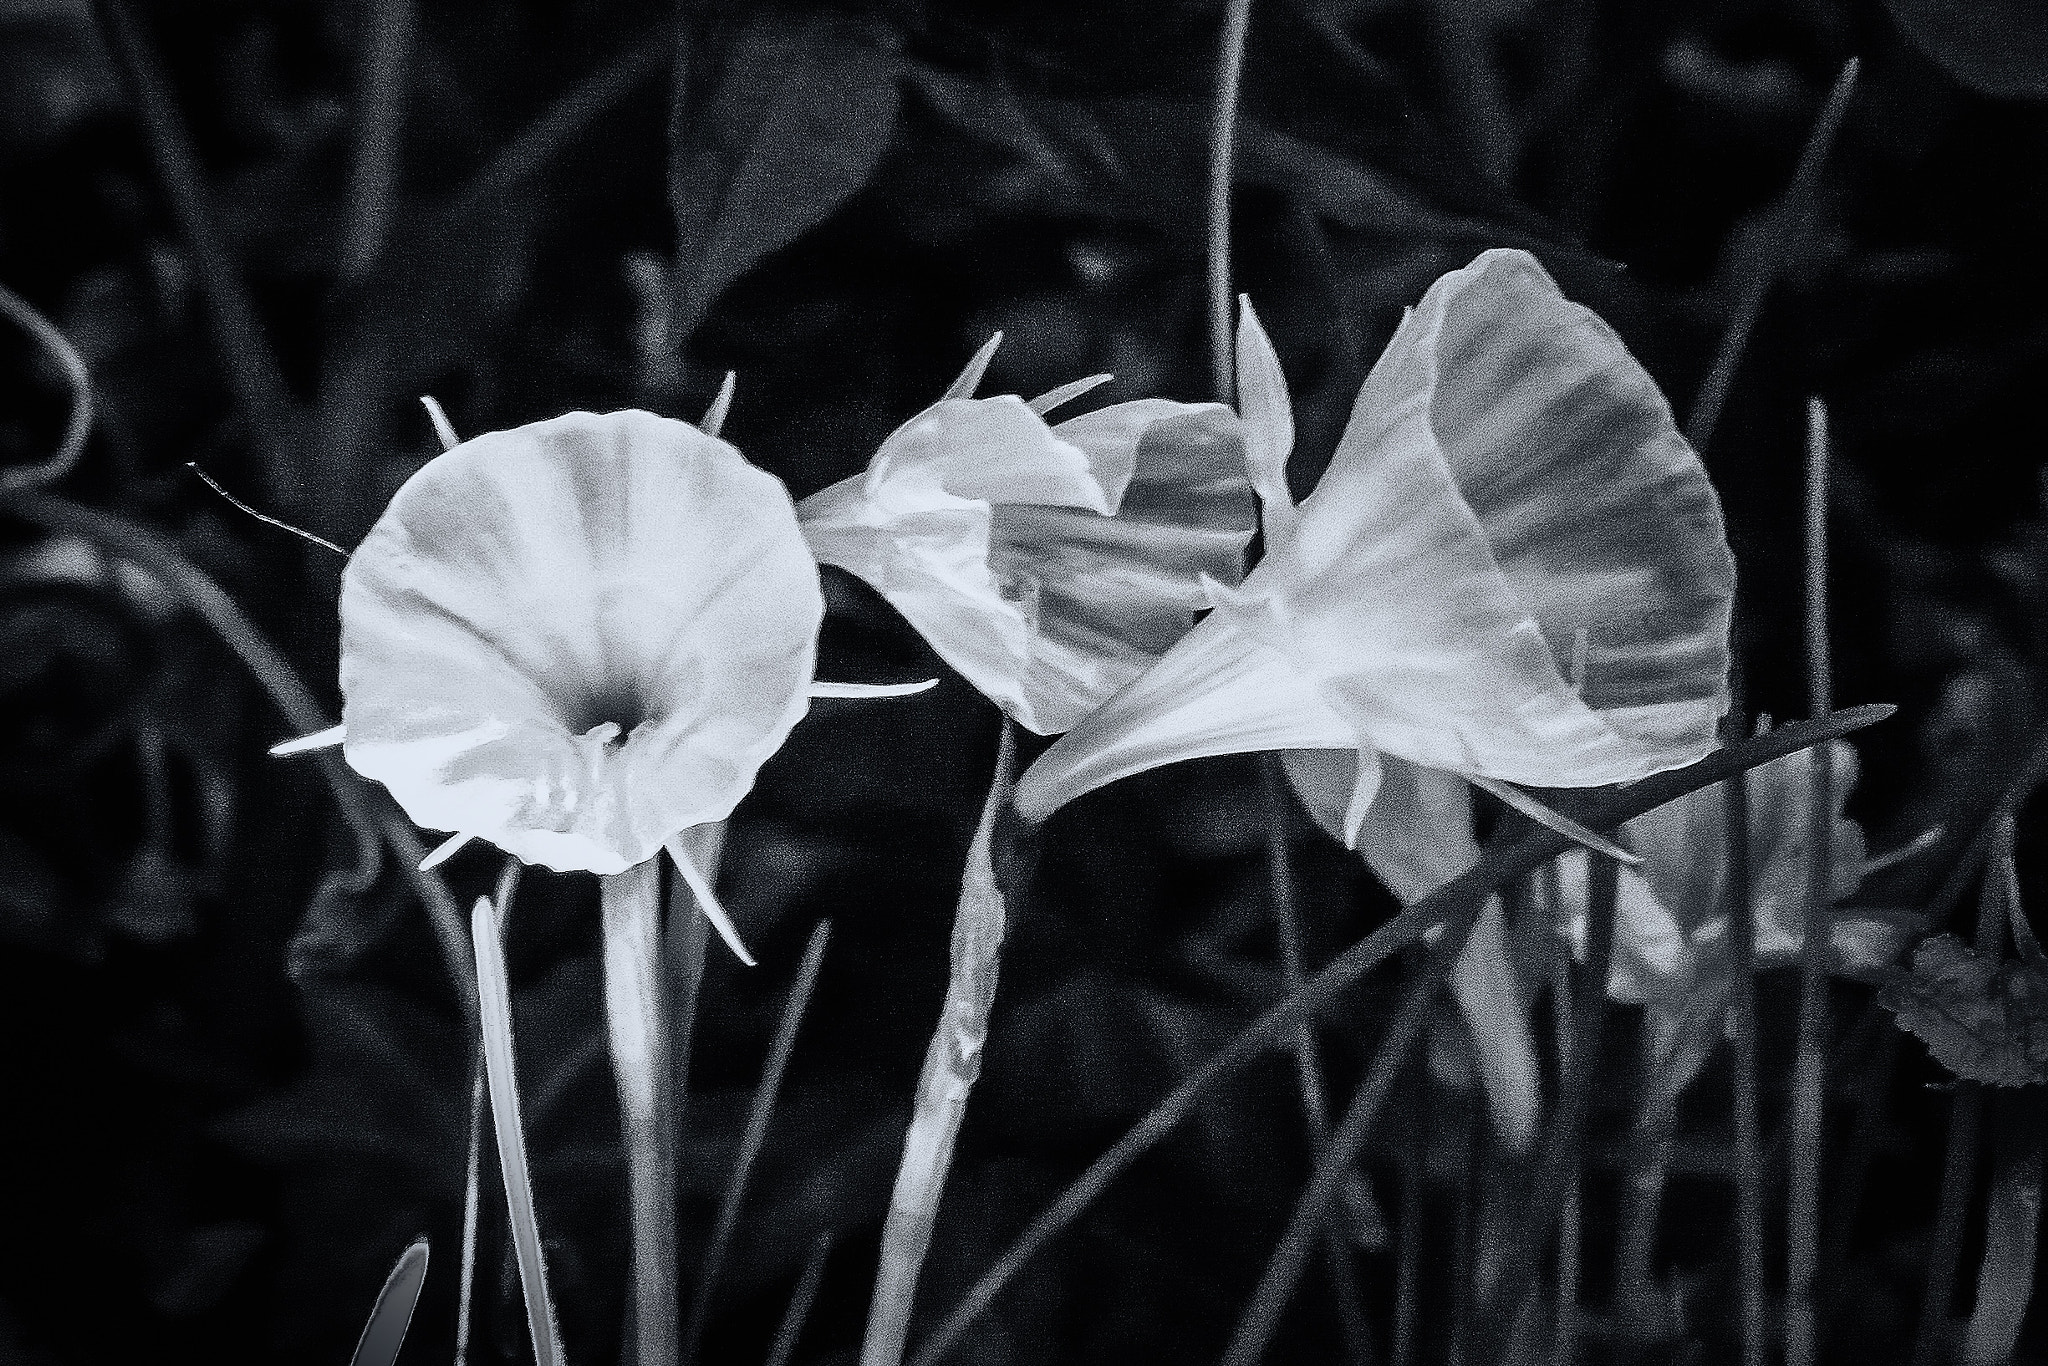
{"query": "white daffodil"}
{"type": "Point", "coordinates": [1513, 571]}
{"type": "Point", "coordinates": [1049, 564]}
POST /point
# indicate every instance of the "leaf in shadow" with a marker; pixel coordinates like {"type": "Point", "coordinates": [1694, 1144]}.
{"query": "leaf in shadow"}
{"type": "Point", "coordinates": [1994, 47]}
{"type": "Point", "coordinates": [1984, 1020]}
{"type": "Point", "coordinates": [780, 118]}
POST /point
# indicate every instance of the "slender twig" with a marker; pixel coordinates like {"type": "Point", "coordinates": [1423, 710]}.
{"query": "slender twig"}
{"type": "Point", "coordinates": [385, 77]}
{"type": "Point", "coordinates": [370, 819]}
{"type": "Point", "coordinates": [264, 517]}
{"type": "Point", "coordinates": [1453, 906]}
{"type": "Point", "coordinates": [762, 1112]}
{"type": "Point", "coordinates": [1749, 1174]}
{"type": "Point", "coordinates": [78, 426]}
{"type": "Point", "coordinates": [1791, 216]}
{"type": "Point", "coordinates": [800, 1301]}
{"type": "Point", "coordinates": [1809, 1074]}
{"type": "Point", "coordinates": [494, 994]}
{"type": "Point", "coordinates": [1558, 1165]}
{"type": "Point", "coordinates": [253, 372]}
{"type": "Point", "coordinates": [1237, 19]}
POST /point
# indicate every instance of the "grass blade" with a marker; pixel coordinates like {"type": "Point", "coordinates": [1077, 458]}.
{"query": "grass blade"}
{"type": "Point", "coordinates": [637, 1025]}
{"type": "Point", "coordinates": [1809, 1073]}
{"type": "Point", "coordinates": [952, 1062]}
{"type": "Point", "coordinates": [757, 1130]}
{"type": "Point", "coordinates": [800, 1302]}
{"type": "Point", "coordinates": [384, 1334]}
{"type": "Point", "coordinates": [472, 1181]}
{"type": "Point", "coordinates": [494, 996]}
{"type": "Point", "coordinates": [1454, 906]}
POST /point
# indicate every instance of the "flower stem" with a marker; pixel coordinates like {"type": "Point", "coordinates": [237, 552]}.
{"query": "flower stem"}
{"type": "Point", "coordinates": [495, 999]}
{"type": "Point", "coordinates": [759, 1114]}
{"type": "Point", "coordinates": [1237, 19]}
{"type": "Point", "coordinates": [951, 1064]}
{"type": "Point", "coordinates": [1749, 1168]}
{"type": "Point", "coordinates": [1809, 1074]}
{"type": "Point", "coordinates": [636, 1019]}
{"type": "Point", "coordinates": [472, 1182]}
{"type": "Point", "coordinates": [1564, 1343]}
{"type": "Point", "coordinates": [1454, 906]}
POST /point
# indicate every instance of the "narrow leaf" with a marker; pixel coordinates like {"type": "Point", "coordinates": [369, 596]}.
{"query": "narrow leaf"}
{"type": "Point", "coordinates": [384, 1334]}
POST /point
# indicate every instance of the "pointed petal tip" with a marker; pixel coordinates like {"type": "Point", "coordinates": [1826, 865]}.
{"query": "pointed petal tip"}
{"type": "Point", "coordinates": [857, 691]}
{"type": "Point", "coordinates": [707, 899]}
{"type": "Point", "coordinates": [304, 744]}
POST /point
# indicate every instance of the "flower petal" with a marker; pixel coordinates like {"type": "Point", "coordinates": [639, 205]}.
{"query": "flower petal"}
{"type": "Point", "coordinates": [1444, 507]}
{"type": "Point", "coordinates": [1268, 413]}
{"type": "Point", "coordinates": [1219, 691]}
{"type": "Point", "coordinates": [994, 450]}
{"type": "Point", "coordinates": [533, 594]}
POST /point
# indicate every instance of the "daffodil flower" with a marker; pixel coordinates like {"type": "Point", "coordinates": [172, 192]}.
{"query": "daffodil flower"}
{"type": "Point", "coordinates": [1049, 564]}
{"type": "Point", "coordinates": [1512, 571]}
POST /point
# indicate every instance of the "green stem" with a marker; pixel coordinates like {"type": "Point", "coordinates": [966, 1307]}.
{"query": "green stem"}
{"type": "Point", "coordinates": [1749, 1169]}
{"type": "Point", "coordinates": [1237, 19]}
{"type": "Point", "coordinates": [637, 1023]}
{"type": "Point", "coordinates": [952, 1062]}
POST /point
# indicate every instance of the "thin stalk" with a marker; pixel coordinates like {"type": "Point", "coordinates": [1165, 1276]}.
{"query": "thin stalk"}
{"type": "Point", "coordinates": [1965, 1124]}
{"type": "Point", "coordinates": [385, 76]}
{"type": "Point", "coordinates": [252, 369]}
{"type": "Point", "coordinates": [1564, 1343]}
{"type": "Point", "coordinates": [76, 427]}
{"type": "Point", "coordinates": [1361, 1210]}
{"type": "Point", "coordinates": [800, 1302]}
{"type": "Point", "coordinates": [1793, 215]}
{"type": "Point", "coordinates": [762, 1111]}
{"type": "Point", "coordinates": [1649, 1164]}
{"type": "Point", "coordinates": [472, 1181]}
{"type": "Point", "coordinates": [1465, 1239]}
{"type": "Point", "coordinates": [2012, 1221]}
{"type": "Point", "coordinates": [1283, 1270]}
{"type": "Point", "coordinates": [1749, 1167]}
{"type": "Point", "coordinates": [1809, 1073]}
{"type": "Point", "coordinates": [1454, 906]}
{"type": "Point", "coordinates": [952, 1062]}
{"type": "Point", "coordinates": [1408, 1261]}
{"type": "Point", "coordinates": [686, 936]}
{"type": "Point", "coordinates": [1558, 1166]}
{"type": "Point", "coordinates": [371, 820]}
{"type": "Point", "coordinates": [637, 1024]}
{"type": "Point", "coordinates": [494, 996]}
{"type": "Point", "coordinates": [1237, 20]}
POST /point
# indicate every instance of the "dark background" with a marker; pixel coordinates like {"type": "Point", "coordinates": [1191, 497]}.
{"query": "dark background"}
{"type": "Point", "coordinates": [233, 1090]}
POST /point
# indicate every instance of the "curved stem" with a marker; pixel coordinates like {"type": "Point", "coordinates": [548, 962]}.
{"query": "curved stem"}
{"type": "Point", "coordinates": [79, 425]}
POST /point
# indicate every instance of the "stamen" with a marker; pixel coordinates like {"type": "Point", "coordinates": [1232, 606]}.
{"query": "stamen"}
{"type": "Point", "coordinates": [322, 739]}
{"type": "Point", "coordinates": [861, 690]}
{"type": "Point", "coordinates": [1066, 393]}
{"type": "Point", "coordinates": [714, 416]}
{"type": "Point", "coordinates": [300, 532]}
{"type": "Point", "coordinates": [444, 430]}
{"type": "Point", "coordinates": [449, 848]}
{"type": "Point", "coordinates": [1555, 820]}
{"type": "Point", "coordinates": [707, 899]}
{"type": "Point", "coordinates": [970, 378]}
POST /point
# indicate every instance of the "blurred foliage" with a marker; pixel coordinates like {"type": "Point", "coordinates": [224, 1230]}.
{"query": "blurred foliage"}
{"type": "Point", "coordinates": [237, 1084]}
